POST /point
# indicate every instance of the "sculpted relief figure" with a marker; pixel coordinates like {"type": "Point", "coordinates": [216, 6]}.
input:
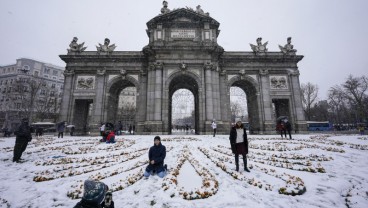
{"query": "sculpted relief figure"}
{"type": "Point", "coordinates": [75, 47]}
{"type": "Point", "coordinates": [164, 9]}
{"type": "Point", "coordinates": [259, 48]}
{"type": "Point", "coordinates": [106, 47]}
{"type": "Point", "coordinates": [288, 48]}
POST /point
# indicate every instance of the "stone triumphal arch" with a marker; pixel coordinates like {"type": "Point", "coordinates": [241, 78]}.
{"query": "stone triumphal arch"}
{"type": "Point", "coordinates": [182, 53]}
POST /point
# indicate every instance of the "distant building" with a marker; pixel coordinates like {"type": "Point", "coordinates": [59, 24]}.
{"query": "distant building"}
{"type": "Point", "coordinates": [15, 90]}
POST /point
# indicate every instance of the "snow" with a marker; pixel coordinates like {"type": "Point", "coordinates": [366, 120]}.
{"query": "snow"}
{"type": "Point", "coordinates": [188, 179]}
{"type": "Point", "coordinates": [332, 169]}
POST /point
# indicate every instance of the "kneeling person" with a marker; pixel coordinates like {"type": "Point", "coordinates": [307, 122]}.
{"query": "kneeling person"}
{"type": "Point", "coordinates": [156, 155]}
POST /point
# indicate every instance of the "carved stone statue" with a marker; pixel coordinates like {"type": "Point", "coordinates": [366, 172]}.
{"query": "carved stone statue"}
{"type": "Point", "coordinates": [164, 9]}
{"type": "Point", "coordinates": [199, 10]}
{"type": "Point", "coordinates": [288, 48]}
{"type": "Point", "coordinates": [123, 73]}
{"type": "Point", "coordinates": [75, 47]}
{"type": "Point", "coordinates": [183, 66]}
{"type": "Point", "coordinates": [106, 47]}
{"type": "Point", "coordinates": [208, 66]}
{"type": "Point", "coordinates": [259, 48]}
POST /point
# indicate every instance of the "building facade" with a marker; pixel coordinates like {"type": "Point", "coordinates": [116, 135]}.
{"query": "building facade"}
{"type": "Point", "coordinates": [182, 53]}
{"type": "Point", "coordinates": [29, 88]}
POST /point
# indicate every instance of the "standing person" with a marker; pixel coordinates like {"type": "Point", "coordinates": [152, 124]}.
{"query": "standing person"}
{"type": "Point", "coordinates": [72, 131]}
{"type": "Point", "coordinates": [61, 128]}
{"type": "Point", "coordinates": [133, 129]}
{"type": "Point", "coordinates": [23, 136]}
{"type": "Point", "coordinates": [102, 129]}
{"type": "Point", "coordinates": [93, 195]}
{"type": "Point", "coordinates": [156, 156]}
{"type": "Point", "coordinates": [239, 143]}
{"type": "Point", "coordinates": [280, 127]}
{"type": "Point", "coordinates": [214, 127]}
{"type": "Point", "coordinates": [287, 127]}
{"type": "Point", "coordinates": [119, 128]}
{"type": "Point", "coordinates": [130, 129]}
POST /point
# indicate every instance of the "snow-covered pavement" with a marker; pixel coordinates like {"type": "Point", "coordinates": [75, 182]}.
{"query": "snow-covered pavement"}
{"type": "Point", "coordinates": [309, 171]}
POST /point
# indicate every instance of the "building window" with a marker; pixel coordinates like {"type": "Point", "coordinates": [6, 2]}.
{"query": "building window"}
{"type": "Point", "coordinates": [43, 92]}
{"type": "Point", "coordinates": [52, 93]}
{"type": "Point", "coordinates": [11, 81]}
{"type": "Point", "coordinates": [46, 71]}
{"type": "Point", "coordinates": [53, 86]}
{"type": "Point", "coordinates": [36, 73]}
{"type": "Point", "coordinates": [55, 73]}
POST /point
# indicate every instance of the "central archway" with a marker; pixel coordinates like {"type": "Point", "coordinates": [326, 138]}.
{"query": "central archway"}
{"type": "Point", "coordinates": [115, 87]}
{"type": "Point", "coordinates": [189, 83]}
{"type": "Point", "coordinates": [249, 86]}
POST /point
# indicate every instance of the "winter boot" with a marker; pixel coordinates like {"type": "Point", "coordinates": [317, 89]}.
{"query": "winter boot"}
{"type": "Point", "coordinates": [237, 162]}
{"type": "Point", "coordinates": [165, 166]}
{"type": "Point", "coordinates": [245, 164]}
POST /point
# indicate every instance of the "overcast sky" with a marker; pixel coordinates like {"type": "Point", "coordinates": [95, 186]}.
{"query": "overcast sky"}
{"type": "Point", "coordinates": [331, 34]}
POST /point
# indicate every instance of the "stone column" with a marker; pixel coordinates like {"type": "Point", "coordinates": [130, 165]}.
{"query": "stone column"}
{"type": "Point", "coordinates": [208, 90]}
{"type": "Point", "coordinates": [224, 99]}
{"type": "Point", "coordinates": [216, 94]}
{"type": "Point", "coordinates": [158, 93]}
{"type": "Point", "coordinates": [99, 101]}
{"type": "Point", "coordinates": [268, 124]}
{"type": "Point", "coordinates": [150, 93]}
{"type": "Point", "coordinates": [66, 102]}
{"type": "Point", "coordinates": [297, 107]}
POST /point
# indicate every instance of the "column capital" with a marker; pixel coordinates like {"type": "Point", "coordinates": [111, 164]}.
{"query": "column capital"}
{"type": "Point", "coordinates": [68, 72]}
{"type": "Point", "coordinates": [156, 66]}
{"type": "Point", "coordinates": [264, 72]}
{"type": "Point", "coordinates": [101, 72]}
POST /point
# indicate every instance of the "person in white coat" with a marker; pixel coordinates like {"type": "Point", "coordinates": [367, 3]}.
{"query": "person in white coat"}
{"type": "Point", "coordinates": [214, 127]}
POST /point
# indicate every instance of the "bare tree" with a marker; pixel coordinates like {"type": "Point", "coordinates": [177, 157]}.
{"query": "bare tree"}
{"type": "Point", "coordinates": [236, 110]}
{"type": "Point", "coordinates": [309, 97]}
{"type": "Point", "coordinates": [355, 90]}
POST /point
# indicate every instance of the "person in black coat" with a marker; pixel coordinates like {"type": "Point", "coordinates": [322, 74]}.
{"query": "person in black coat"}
{"type": "Point", "coordinates": [239, 143]}
{"type": "Point", "coordinates": [95, 195]}
{"type": "Point", "coordinates": [156, 155]}
{"type": "Point", "coordinates": [288, 128]}
{"type": "Point", "coordinates": [23, 136]}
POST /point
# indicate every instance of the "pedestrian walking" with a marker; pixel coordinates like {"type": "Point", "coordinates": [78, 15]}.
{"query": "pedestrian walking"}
{"type": "Point", "coordinates": [72, 131]}
{"type": "Point", "coordinates": [23, 136]}
{"type": "Point", "coordinates": [239, 143]}
{"type": "Point", "coordinates": [61, 129]}
{"type": "Point", "coordinates": [280, 127]}
{"type": "Point", "coordinates": [130, 129]}
{"type": "Point", "coordinates": [288, 127]}
{"type": "Point", "coordinates": [214, 127]}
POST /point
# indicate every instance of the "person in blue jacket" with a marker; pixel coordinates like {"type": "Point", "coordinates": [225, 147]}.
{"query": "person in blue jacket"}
{"type": "Point", "coordinates": [156, 155]}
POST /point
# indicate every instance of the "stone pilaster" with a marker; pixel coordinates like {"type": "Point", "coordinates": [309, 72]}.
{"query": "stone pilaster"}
{"type": "Point", "coordinates": [66, 102]}
{"type": "Point", "coordinates": [99, 98]}
{"type": "Point", "coordinates": [209, 99]}
{"type": "Point", "coordinates": [158, 93]}
{"type": "Point", "coordinates": [300, 124]}
{"type": "Point", "coordinates": [268, 123]}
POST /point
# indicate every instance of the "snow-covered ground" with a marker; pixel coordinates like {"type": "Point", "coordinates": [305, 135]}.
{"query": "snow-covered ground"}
{"type": "Point", "coordinates": [309, 171]}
